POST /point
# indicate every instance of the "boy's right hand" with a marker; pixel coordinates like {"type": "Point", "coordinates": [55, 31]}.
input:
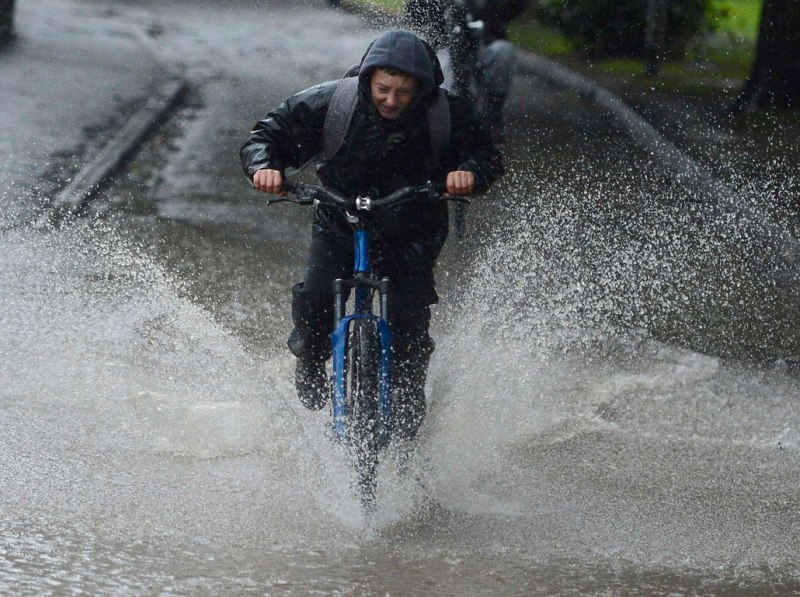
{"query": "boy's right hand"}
{"type": "Point", "coordinates": [268, 181]}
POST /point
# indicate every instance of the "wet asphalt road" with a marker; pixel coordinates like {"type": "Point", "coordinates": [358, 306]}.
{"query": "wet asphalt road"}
{"type": "Point", "coordinates": [583, 434]}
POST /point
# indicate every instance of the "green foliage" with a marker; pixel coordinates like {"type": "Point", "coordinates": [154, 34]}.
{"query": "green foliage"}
{"type": "Point", "coordinates": [739, 18]}
{"type": "Point", "coordinates": [531, 35]}
{"type": "Point", "coordinates": [732, 44]}
{"type": "Point", "coordinates": [617, 27]}
{"type": "Point", "coordinates": [393, 5]}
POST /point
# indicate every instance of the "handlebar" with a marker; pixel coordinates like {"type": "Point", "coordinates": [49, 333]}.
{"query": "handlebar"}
{"type": "Point", "coordinates": [303, 193]}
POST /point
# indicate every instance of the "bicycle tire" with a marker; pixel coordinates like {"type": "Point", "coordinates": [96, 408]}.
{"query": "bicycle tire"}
{"type": "Point", "coordinates": [363, 410]}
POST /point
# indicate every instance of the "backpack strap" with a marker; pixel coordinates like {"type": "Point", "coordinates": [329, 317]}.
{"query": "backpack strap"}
{"type": "Point", "coordinates": [343, 106]}
{"type": "Point", "coordinates": [337, 120]}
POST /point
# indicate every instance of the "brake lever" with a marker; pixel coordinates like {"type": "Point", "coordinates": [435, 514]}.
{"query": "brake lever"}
{"type": "Point", "coordinates": [292, 194]}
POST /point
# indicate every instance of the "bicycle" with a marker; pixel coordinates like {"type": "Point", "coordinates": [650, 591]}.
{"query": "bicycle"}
{"type": "Point", "coordinates": [362, 340]}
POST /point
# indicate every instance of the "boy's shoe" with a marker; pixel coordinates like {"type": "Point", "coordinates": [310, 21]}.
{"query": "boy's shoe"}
{"type": "Point", "coordinates": [311, 382]}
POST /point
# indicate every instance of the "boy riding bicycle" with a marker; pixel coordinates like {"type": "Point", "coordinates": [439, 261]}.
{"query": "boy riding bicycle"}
{"type": "Point", "coordinates": [388, 143]}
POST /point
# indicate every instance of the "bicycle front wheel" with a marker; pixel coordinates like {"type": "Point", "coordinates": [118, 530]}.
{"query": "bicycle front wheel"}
{"type": "Point", "coordinates": [364, 357]}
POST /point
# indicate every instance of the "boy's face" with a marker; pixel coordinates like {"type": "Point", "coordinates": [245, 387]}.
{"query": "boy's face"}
{"type": "Point", "coordinates": [392, 93]}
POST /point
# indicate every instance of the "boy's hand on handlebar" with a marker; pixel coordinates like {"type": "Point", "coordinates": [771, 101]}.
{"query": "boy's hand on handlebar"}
{"type": "Point", "coordinates": [460, 182]}
{"type": "Point", "coordinates": [268, 181]}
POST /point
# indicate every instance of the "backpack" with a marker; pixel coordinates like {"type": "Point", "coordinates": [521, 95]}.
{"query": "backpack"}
{"type": "Point", "coordinates": [343, 105]}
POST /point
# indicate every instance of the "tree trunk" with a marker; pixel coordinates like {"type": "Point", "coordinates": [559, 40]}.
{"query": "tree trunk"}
{"type": "Point", "coordinates": [775, 78]}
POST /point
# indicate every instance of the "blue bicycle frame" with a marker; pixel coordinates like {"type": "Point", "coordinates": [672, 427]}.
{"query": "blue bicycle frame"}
{"type": "Point", "coordinates": [364, 284]}
{"type": "Point", "coordinates": [362, 334]}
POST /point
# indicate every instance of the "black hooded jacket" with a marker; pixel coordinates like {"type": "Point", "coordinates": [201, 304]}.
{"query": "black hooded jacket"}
{"type": "Point", "coordinates": [379, 156]}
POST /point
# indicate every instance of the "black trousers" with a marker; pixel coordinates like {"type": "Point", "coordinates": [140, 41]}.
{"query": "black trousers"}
{"type": "Point", "coordinates": [331, 257]}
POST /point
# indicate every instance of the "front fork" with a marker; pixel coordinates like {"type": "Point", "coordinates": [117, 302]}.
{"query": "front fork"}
{"type": "Point", "coordinates": [364, 286]}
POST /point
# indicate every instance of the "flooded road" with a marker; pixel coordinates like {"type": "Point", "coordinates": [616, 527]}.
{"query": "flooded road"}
{"type": "Point", "coordinates": [598, 423]}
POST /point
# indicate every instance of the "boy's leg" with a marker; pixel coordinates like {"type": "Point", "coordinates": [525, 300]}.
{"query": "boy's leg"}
{"type": "Point", "coordinates": [412, 347]}
{"type": "Point", "coordinates": [330, 257]}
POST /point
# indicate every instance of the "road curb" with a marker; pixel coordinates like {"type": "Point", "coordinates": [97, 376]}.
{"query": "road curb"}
{"type": "Point", "coordinates": [164, 96]}
{"type": "Point", "coordinates": [113, 155]}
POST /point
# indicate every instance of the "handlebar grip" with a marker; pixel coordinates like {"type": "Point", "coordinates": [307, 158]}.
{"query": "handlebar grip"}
{"type": "Point", "coordinates": [441, 188]}
{"type": "Point", "coordinates": [288, 186]}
